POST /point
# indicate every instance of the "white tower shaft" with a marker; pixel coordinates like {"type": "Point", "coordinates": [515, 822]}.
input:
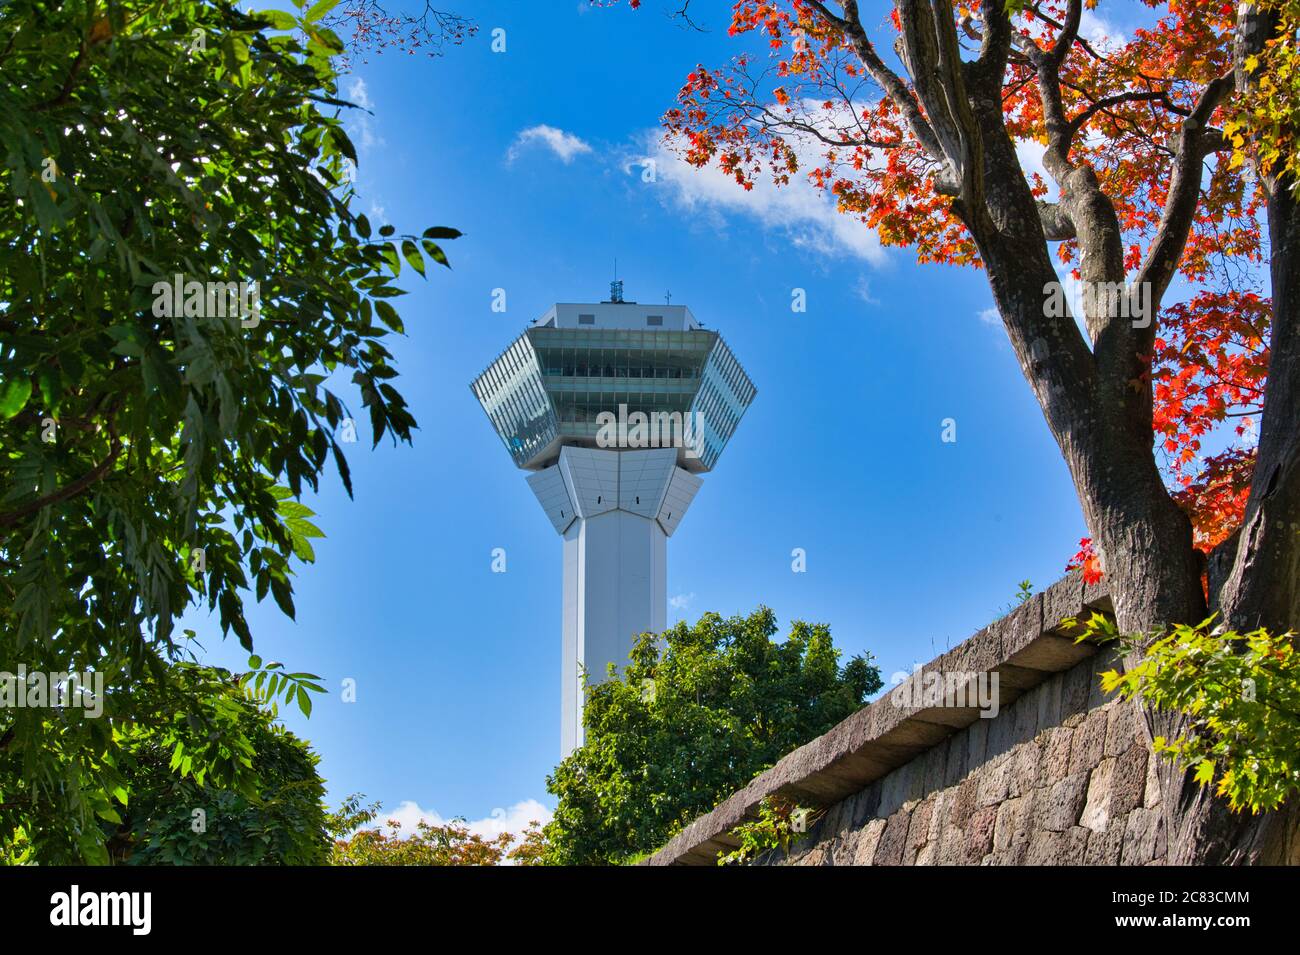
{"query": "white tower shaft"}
{"type": "Point", "coordinates": [615, 511]}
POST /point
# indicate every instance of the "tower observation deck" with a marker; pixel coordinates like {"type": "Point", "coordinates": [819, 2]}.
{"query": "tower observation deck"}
{"type": "Point", "coordinates": [615, 409]}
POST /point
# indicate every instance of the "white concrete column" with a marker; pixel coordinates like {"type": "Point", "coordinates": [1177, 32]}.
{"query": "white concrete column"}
{"type": "Point", "coordinates": [615, 511]}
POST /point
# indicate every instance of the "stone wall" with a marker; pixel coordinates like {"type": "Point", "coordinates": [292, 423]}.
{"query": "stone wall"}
{"type": "Point", "coordinates": [1059, 777]}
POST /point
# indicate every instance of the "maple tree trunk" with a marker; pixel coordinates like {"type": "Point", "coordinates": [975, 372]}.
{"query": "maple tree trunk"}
{"type": "Point", "coordinates": [1256, 581]}
{"type": "Point", "coordinates": [1100, 421]}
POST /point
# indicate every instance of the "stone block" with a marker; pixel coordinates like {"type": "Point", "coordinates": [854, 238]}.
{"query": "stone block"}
{"type": "Point", "coordinates": [1129, 785]}
{"type": "Point", "coordinates": [1103, 661]}
{"type": "Point", "coordinates": [1089, 742]}
{"type": "Point", "coordinates": [952, 844]}
{"type": "Point", "coordinates": [1057, 848]}
{"type": "Point", "coordinates": [1074, 690]}
{"type": "Point", "coordinates": [1019, 628]}
{"type": "Point", "coordinates": [932, 766]}
{"type": "Point", "coordinates": [893, 841]}
{"type": "Point", "coordinates": [1151, 792]}
{"type": "Point", "coordinates": [1051, 654]}
{"type": "Point", "coordinates": [955, 764]}
{"type": "Point", "coordinates": [814, 855]}
{"type": "Point", "coordinates": [979, 834]}
{"type": "Point", "coordinates": [963, 803]}
{"type": "Point", "coordinates": [1062, 599]}
{"type": "Point", "coordinates": [1103, 847]}
{"type": "Point", "coordinates": [900, 788]}
{"type": "Point", "coordinates": [1049, 702]}
{"type": "Point", "coordinates": [993, 781]}
{"type": "Point", "coordinates": [1143, 837]}
{"type": "Point", "coordinates": [1025, 712]}
{"type": "Point", "coordinates": [868, 839]}
{"type": "Point", "coordinates": [977, 736]}
{"type": "Point", "coordinates": [1014, 823]}
{"type": "Point", "coordinates": [864, 805]}
{"type": "Point", "coordinates": [918, 832]}
{"type": "Point", "coordinates": [1121, 728]}
{"type": "Point", "coordinates": [1024, 774]}
{"type": "Point", "coordinates": [1096, 813]}
{"type": "Point", "coordinates": [845, 847]}
{"type": "Point", "coordinates": [1055, 762]}
{"type": "Point", "coordinates": [1058, 806]}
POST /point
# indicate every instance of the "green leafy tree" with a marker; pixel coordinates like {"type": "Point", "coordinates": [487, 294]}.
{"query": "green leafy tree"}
{"type": "Point", "coordinates": [221, 751]}
{"type": "Point", "coordinates": [695, 715]}
{"type": "Point", "coordinates": [152, 451]}
{"type": "Point", "coordinates": [277, 818]}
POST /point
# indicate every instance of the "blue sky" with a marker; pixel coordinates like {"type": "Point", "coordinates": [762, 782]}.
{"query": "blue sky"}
{"type": "Point", "coordinates": [912, 543]}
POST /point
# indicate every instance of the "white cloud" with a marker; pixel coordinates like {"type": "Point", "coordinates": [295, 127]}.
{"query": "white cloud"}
{"type": "Point", "coordinates": [513, 820]}
{"type": "Point", "coordinates": [1099, 31]}
{"type": "Point", "coordinates": [799, 210]}
{"type": "Point", "coordinates": [567, 146]}
{"type": "Point", "coordinates": [681, 601]}
{"type": "Point", "coordinates": [991, 317]}
{"type": "Point", "coordinates": [862, 288]}
{"type": "Point", "coordinates": [357, 92]}
{"type": "Point", "coordinates": [361, 121]}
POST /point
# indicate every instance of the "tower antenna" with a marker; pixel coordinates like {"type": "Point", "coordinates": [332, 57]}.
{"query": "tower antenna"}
{"type": "Point", "coordinates": [616, 287]}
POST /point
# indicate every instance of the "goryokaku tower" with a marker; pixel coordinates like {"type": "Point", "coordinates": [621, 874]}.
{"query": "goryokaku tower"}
{"type": "Point", "coordinates": [616, 409]}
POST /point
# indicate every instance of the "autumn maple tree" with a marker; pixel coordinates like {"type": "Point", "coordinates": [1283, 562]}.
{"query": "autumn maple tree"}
{"type": "Point", "coordinates": [1168, 184]}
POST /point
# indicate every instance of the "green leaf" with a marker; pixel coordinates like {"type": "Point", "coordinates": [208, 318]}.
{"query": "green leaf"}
{"type": "Point", "coordinates": [292, 508]}
{"type": "Point", "coordinates": [341, 142]}
{"type": "Point", "coordinates": [319, 10]}
{"type": "Point", "coordinates": [435, 252]}
{"type": "Point", "coordinates": [389, 254]}
{"type": "Point", "coordinates": [13, 396]}
{"type": "Point", "coordinates": [278, 19]}
{"type": "Point", "coordinates": [388, 315]}
{"type": "Point", "coordinates": [1205, 772]}
{"type": "Point", "coordinates": [283, 596]}
{"type": "Point", "coordinates": [413, 256]}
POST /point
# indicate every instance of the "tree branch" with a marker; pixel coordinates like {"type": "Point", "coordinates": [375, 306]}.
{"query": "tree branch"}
{"type": "Point", "coordinates": [889, 81]}
{"type": "Point", "coordinates": [1184, 193]}
{"type": "Point", "coordinates": [930, 50]}
{"type": "Point", "coordinates": [95, 474]}
{"type": "Point", "coordinates": [1101, 105]}
{"type": "Point", "coordinates": [995, 43]}
{"type": "Point", "coordinates": [1057, 224]}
